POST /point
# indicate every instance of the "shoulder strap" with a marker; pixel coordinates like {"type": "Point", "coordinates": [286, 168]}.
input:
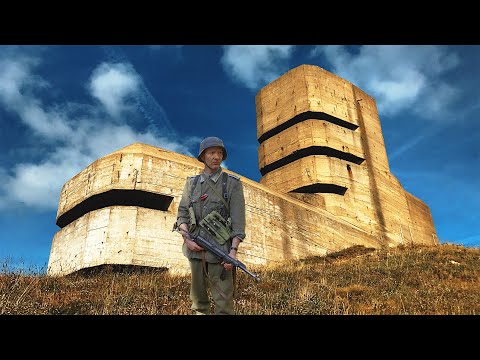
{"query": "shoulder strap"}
{"type": "Point", "coordinates": [195, 180]}
{"type": "Point", "coordinates": [224, 185]}
{"type": "Point", "coordinates": [224, 198]}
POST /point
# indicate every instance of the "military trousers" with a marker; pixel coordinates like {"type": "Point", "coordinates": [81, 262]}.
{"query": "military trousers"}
{"type": "Point", "coordinates": [221, 290]}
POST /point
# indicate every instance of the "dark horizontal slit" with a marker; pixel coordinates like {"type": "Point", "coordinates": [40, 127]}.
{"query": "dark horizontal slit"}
{"type": "Point", "coordinates": [117, 269]}
{"type": "Point", "coordinates": [308, 115]}
{"type": "Point", "coordinates": [312, 150]}
{"type": "Point", "coordinates": [321, 188]}
{"type": "Point", "coordinates": [114, 198]}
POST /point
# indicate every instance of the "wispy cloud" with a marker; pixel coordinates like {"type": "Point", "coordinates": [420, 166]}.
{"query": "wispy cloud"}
{"type": "Point", "coordinates": [399, 77]}
{"type": "Point", "coordinates": [147, 106]}
{"type": "Point", "coordinates": [254, 66]}
{"type": "Point", "coordinates": [112, 84]}
{"type": "Point", "coordinates": [415, 140]}
{"type": "Point", "coordinates": [74, 135]}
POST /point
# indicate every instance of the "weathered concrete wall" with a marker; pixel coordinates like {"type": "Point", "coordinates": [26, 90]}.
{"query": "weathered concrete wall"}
{"type": "Point", "coordinates": [326, 185]}
{"type": "Point", "coordinates": [113, 234]}
{"type": "Point", "coordinates": [316, 129]}
{"type": "Point", "coordinates": [309, 133]}
{"type": "Point", "coordinates": [279, 227]}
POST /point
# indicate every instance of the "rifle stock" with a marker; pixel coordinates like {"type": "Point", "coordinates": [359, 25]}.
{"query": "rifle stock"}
{"type": "Point", "coordinates": [217, 251]}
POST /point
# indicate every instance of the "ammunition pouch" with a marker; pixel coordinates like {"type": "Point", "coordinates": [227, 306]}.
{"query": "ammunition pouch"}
{"type": "Point", "coordinates": [217, 226]}
{"type": "Point", "coordinates": [193, 220]}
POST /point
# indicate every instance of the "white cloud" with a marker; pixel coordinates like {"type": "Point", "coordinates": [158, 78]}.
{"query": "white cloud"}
{"type": "Point", "coordinates": [256, 65]}
{"type": "Point", "coordinates": [12, 75]}
{"type": "Point", "coordinates": [38, 185]}
{"type": "Point", "coordinates": [110, 138]}
{"type": "Point", "coordinates": [112, 84]}
{"type": "Point", "coordinates": [73, 134]}
{"type": "Point", "coordinates": [17, 84]}
{"type": "Point", "coordinates": [47, 124]}
{"type": "Point", "coordinates": [399, 77]}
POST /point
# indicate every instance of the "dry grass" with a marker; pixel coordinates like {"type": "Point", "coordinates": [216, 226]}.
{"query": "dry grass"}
{"type": "Point", "coordinates": [441, 280]}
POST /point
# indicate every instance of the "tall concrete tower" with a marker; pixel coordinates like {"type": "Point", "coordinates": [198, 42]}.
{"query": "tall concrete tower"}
{"type": "Point", "coordinates": [321, 141]}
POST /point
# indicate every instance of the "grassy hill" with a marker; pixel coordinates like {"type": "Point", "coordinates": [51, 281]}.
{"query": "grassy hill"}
{"type": "Point", "coordinates": [408, 280]}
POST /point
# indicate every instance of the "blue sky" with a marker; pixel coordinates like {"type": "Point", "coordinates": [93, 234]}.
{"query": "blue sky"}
{"type": "Point", "coordinates": [62, 107]}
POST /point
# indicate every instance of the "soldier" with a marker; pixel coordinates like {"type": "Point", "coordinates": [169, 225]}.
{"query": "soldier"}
{"type": "Point", "coordinates": [212, 191]}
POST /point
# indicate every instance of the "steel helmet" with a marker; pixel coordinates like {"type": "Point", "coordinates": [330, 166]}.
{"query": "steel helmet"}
{"type": "Point", "coordinates": [210, 142]}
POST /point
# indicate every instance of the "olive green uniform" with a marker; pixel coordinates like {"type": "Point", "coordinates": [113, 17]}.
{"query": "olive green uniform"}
{"type": "Point", "coordinates": [206, 199]}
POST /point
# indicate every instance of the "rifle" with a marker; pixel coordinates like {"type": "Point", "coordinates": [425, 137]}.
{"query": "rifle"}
{"type": "Point", "coordinates": [216, 250]}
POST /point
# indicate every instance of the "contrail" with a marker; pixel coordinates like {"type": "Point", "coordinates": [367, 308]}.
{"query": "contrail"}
{"type": "Point", "coordinates": [407, 146]}
{"type": "Point", "coordinates": [153, 113]}
{"type": "Point", "coordinates": [462, 114]}
{"type": "Point", "coordinates": [415, 141]}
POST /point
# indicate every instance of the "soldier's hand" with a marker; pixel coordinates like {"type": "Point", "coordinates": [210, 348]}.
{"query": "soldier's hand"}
{"type": "Point", "coordinates": [226, 265]}
{"type": "Point", "coordinates": [192, 245]}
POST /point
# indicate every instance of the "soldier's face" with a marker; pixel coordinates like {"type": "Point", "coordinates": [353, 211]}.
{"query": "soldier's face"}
{"type": "Point", "coordinates": [213, 157]}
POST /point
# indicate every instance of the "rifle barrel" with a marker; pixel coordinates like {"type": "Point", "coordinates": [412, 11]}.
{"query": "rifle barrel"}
{"type": "Point", "coordinates": [216, 250]}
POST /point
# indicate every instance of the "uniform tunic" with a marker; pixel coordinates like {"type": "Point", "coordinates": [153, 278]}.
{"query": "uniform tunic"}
{"type": "Point", "coordinates": [205, 200]}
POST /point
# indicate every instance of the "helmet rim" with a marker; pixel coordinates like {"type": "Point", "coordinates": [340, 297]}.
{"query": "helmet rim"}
{"type": "Point", "coordinates": [209, 142]}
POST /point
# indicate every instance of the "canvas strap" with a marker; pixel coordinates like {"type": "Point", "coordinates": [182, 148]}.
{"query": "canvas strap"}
{"type": "Point", "coordinates": [224, 186]}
